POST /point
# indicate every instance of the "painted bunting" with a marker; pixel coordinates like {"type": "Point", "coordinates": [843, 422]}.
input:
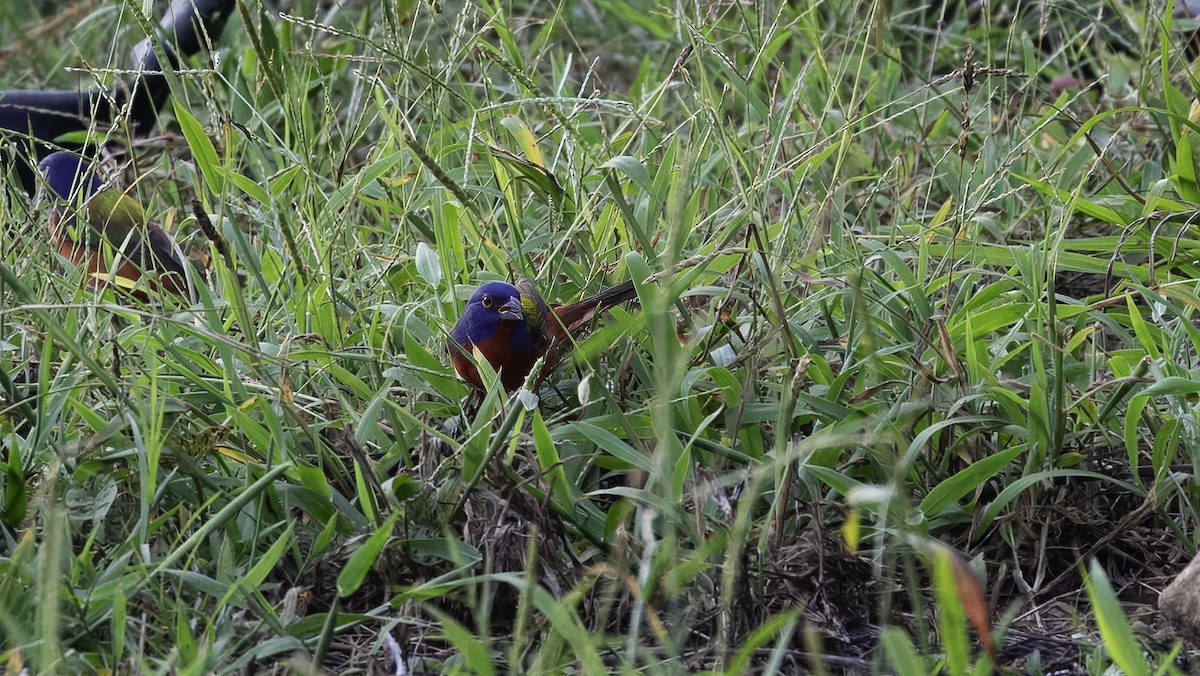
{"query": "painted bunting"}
{"type": "Point", "coordinates": [108, 215]}
{"type": "Point", "coordinates": [45, 116]}
{"type": "Point", "coordinates": [512, 327]}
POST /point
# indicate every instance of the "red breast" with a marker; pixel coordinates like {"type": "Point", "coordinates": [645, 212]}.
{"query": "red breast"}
{"type": "Point", "coordinates": [93, 263]}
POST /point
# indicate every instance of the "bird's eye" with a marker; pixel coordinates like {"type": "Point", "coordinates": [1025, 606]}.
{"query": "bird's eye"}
{"type": "Point", "coordinates": [486, 302]}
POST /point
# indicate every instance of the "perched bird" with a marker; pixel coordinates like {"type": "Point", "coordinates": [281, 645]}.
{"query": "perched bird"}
{"type": "Point", "coordinates": [112, 216]}
{"type": "Point", "coordinates": [512, 327]}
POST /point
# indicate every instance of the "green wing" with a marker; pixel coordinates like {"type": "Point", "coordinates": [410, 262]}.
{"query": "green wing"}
{"type": "Point", "coordinates": [533, 305]}
{"type": "Point", "coordinates": [116, 216]}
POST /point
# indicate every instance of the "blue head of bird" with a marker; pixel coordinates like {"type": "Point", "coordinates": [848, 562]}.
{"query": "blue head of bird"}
{"type": "Point", "coordinates": [497, 311]}
{"type": "Point", "coordinates": [70, 175]}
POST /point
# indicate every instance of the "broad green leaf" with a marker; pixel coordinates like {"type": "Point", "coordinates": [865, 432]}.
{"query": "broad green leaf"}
{"type": "Point", "coordinates": [952, 617]}
{"type": "Point", "coordinates": [634, 169]}
{"type": "Point", "coordinates": [202, 148]}
{"type": "Point", "coordinates": [950, 490]}
{"type": "Point", "coordinates": [1118, 637]}
{"type": "Point", "coordinates": [475, 655]}
{"type": "Point", "coordinates": [901, 654]}
{"type": "Point", "coordinates": [585, 431]}
{"type": "Point", "coordinates": [362, 560]}
{"type": "Point", "coordinates": [524, 138]}
{"type": "Point", "coordinates": [550, 463]}
{"type": "Point", "coordinates": [263, 565]}
{"type": "Point", "coordinates": [1173, 386]}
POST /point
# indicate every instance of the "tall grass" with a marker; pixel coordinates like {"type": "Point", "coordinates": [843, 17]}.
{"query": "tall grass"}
{"type": "Point", "coordinates": [887, 302]}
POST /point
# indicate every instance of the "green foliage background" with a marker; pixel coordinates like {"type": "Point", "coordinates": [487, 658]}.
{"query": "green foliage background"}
{"type": "Point", "coordinates": [900, 284]}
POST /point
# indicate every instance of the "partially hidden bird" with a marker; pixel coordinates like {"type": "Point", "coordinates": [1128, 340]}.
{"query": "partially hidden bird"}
{"type": "Point", "coordinates": [90, 214]}
{"type": "Point", "coordinates": [512, 327]}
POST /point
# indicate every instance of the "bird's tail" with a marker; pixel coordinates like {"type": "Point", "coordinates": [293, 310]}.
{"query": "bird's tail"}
{"type": "Point", "coordinates": [574, 315]}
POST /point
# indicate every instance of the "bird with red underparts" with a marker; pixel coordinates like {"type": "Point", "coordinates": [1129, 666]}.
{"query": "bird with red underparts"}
{"type": "Point", "coordinates": [512, 328]}
{"type": "Point", "coordinates": [92, 222]}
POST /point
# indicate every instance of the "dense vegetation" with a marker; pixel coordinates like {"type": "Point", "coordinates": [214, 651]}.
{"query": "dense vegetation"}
{"type": "Point", "coordinates": [908, 283]}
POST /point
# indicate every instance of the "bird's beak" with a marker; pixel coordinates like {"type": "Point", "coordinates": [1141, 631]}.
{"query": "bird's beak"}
{"type": "Point", "coordinates": [512, 310]}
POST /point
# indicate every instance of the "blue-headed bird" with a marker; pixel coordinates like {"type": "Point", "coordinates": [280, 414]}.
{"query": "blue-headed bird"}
{"type": "Point", "coordinates": [512, 327]}
{"type": "Point", "coordinates": [91, 215]}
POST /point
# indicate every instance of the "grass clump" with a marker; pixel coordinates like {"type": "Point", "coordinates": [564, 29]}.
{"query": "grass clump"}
{"type": "Point", "coordinates": [905, 285]}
